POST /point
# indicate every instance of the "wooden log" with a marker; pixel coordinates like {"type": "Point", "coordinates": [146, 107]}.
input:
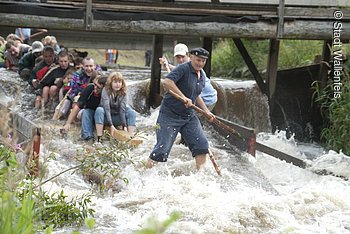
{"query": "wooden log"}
{"type": "Point", "coordinates": [297, 29]}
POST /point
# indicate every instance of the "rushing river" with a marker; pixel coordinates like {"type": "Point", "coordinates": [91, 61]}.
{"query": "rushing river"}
{"type": "Point", "coordinates": [253, 195]}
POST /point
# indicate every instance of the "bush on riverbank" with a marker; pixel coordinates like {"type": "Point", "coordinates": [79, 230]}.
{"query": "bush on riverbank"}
{"type": "Point", "coordinates": [228, 62]}
{"type": "Point", "coordinates": [336, 113]}
{"type": "Point", "coordinates": [25, 209]}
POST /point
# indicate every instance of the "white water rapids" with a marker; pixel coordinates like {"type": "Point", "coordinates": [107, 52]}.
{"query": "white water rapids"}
{"type": "Point", "coordinates": [254, 195]}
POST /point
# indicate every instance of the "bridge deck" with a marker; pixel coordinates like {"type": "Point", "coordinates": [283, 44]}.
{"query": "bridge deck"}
{"type": "Point", "coordinates": [258, 19]}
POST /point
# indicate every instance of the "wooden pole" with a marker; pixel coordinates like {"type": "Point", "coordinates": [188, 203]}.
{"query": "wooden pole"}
{"type": "Point", "coordinates": [157, 53]}
{"type": "Point", "coordinates": [214, 120]}
{"type": "Point", "coordinates": [272, 66]}
{"type": "Point", "coordinates": [248, 60]}
{"type": "Point", "coordinates": [34, 164]}
{"type": "Point", "coordinates": [208, 45]}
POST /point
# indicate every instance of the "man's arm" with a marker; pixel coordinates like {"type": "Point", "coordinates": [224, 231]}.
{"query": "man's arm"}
{"type": "Point", "coordinates": [40, 31]}
{"type": "Point", "coordinates": [170, 84]}
{"type": "Point", "coordinates": [200, 103]}
{"type": "Point", "coordinates": [73, 114]}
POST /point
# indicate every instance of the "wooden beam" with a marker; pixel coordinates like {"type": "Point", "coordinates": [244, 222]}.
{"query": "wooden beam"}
{"type": "Point", "coordinates": [280, 26]}
{"type": "Point", "coordinates": [272, 66]}
{"type": "Point", "coordinates": [280, 155]}
{"type": "Point", "coordinates": [301, 29]}
{"type": "Point", "coordinates": [157, 52]}
{"type": "Point", "coordinates": [248, 60]}
{"type": "Point", "coordinates": [247, 140]}
{"type": "Point", "coordinates": [208, 44]}
{"type": "Point", "coordinates": [88, 15]}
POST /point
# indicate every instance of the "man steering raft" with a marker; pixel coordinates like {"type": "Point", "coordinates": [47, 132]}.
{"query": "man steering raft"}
{"type": "Point", "coordinates": [187, 80]}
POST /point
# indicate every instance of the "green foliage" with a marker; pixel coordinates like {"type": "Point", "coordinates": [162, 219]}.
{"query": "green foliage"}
{"type": "Point", "coordinates": [103, 162]}
{"type": "Point", "coordinates": [155, 226]}
{"type": "Point", "coordinates": [336, 113]}
{"type": "Point", "coordinates": [57, 211]}
{"type": "Point", "coordinates": [228, 62]}
{"type": "Point", "coordinates": [17, 215]}
{"type": "Point", "coordinates": [297, 53]}
{"type": "Point", "coordinates": [90, 223]}
{"type": "Point", "coordinates": [24, 209]}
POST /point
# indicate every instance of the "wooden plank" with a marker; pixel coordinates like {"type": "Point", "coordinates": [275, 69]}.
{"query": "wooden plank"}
{"type": "Point", "coordinates": [248, 60]}
{"type": "Point", "coordinates": [280, 155]}
{"type": "Point", "coordinates": [280, 25]}
{"type": "Point", "coordinates": [301, 29]}
{"type": "Point", "coordinates": [181, 9]}
{"type": "Point", "coordinates": [315, 3]}
{"type": "Point", "coordinates": [157, 52]}
{"type": "Point", "coordinates": [244, 143]}
{"type": "Point", "coordinates": [272, 66]}
{"type": "Point", "coordinates": [208, 45]}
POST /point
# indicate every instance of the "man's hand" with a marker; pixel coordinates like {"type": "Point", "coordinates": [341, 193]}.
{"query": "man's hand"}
{"type": "Point", "coordinates": [210, 116]}
{"type": "Point", "coordinates": [66, 127]}
{"type": "Point", "coordinates": [163, 61]}
{"type": "Point", "coordinates": [188, 103]}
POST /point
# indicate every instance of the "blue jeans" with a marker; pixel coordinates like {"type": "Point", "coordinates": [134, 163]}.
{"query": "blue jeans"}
{"type": "Point", "coordinates": [130, 115]}
{"type": "Point", "coordinates": [89, 118]}
{"type": "Point", "coordinates": [169, 125]}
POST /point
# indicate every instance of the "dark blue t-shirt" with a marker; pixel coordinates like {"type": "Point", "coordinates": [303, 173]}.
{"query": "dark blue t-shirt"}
{"type": "Point", "coordinates": [186, 79]}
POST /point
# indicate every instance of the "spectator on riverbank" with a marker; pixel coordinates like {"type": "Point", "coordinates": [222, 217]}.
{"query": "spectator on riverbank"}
{"type": "Point", "coordinates": [148, 55]}
{"type": "Point", "coordinates": [27, 62]}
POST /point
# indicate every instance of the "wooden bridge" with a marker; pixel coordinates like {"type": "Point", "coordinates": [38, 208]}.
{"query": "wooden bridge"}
{"type": "Point", "coordinates": [269, 19]}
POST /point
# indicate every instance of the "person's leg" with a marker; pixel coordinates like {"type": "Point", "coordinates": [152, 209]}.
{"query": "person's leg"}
{"type": "Point", "coordinates": [130, 119]}
{"type": "Point", "coordinates": [99, 121]}
{"type": "Point", "coordinates": [201, 159]}
{"type": "Point", "coordinates": [166, 134]}
{"type": "Point", "coordinates": [196, 140]}
{"type": "Point", "coordinates": [45, 95]}
{"type": "Point", "coordinates": [60, 94]}
{"type": "Point", "coordinates": [66, 106]}
{"type": "Point", "coordinates": [87, 124]}
{"type": "Point", "coordinates": [53, 92]}
{"type": "Point", "coordinates": [38, 101]}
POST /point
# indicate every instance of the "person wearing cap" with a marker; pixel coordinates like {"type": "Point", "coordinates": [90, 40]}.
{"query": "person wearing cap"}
{"type": "Point", "coordinates": [27, 62]}
{"type": "Point", "coordinates": [187, 80]}
{"type": "Point", "coordinates": [209, 94]}
{"type": "Point", "coordinates": [180, 54]}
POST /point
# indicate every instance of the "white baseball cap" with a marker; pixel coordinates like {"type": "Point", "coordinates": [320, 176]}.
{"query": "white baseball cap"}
{"type": "Point", "coordinates": [37, 46]}
{"type": "Point", "coordinates": [180, 49]}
